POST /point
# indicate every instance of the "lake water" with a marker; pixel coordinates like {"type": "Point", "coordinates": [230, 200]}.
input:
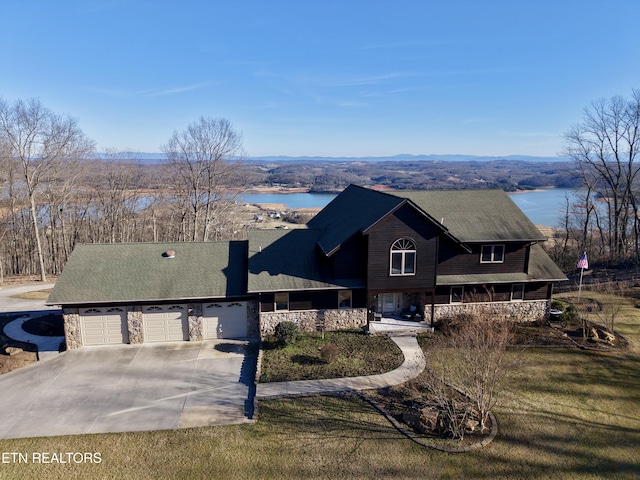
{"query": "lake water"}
{"type": "Point", "coordinates": [542, 207]}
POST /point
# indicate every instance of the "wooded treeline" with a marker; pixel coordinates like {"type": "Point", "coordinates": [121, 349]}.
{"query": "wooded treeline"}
{"type": "Point", "coordinates": [55, 194]}
{"type": "Point", "coordinates": [602, 219]}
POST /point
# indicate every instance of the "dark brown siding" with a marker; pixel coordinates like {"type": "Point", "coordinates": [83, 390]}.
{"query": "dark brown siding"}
{"type": "Point", "coordinates": [405, 222]}
{"type": "Point", "coordinates": [350, 261]}
{"type": "Point", "coordinates": [536, 291]}
{"type": "Point", "coordinates": [454, 261]}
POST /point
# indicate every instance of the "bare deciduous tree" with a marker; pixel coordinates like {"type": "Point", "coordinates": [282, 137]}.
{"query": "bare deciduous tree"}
{"type": "Point", "coordinates": [205, 158]}
{"type": "Point", "coordinates": [472, 357]}
{"type": "Point", "coordinates": [605, 146]}
{"type": "Point", "coordinates": [38, 139]}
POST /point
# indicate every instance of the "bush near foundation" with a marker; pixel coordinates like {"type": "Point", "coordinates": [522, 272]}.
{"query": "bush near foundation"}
{"type": "Point", "coordinates": [286, 333]}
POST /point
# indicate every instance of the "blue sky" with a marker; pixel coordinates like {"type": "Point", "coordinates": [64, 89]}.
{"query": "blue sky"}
{"type": "Point", "coordinates": [327, 78]}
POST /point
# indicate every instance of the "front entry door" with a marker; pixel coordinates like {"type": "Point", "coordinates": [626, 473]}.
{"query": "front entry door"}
{"type": "Point", "coordinates": [390, 303]}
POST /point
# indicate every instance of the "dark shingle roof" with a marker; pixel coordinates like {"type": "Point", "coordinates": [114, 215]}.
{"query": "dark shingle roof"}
{"type": "Point", "coordinates": [290, 260]}
{"type": "Point", "coordinates": [476, 215]}
{"type": "Point", "coordinates": [139, 272]}
{"type": "Point", "coordinates": [354, 210]}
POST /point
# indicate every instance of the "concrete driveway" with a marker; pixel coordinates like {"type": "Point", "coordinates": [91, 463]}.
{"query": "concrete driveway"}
{"type": "Point", "coordinates": [130, 388]}
{"type": "Point", "coordinates": [10, 304]}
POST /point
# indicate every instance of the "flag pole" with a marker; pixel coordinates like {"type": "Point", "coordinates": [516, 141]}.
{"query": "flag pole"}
{"type": "Point", "coordinates": [582, 264]}
{"type": "Point", "coordinates": [580, 286]}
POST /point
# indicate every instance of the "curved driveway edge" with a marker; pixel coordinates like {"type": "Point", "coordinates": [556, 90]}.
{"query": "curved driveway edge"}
{"type": "Point", "coordinates": [414, 363]}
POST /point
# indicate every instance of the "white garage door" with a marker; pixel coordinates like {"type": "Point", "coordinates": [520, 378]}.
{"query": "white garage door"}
{"type": "Point", "coordinates": [224, 320]}
{"type": "Point", "coordinates": [165, 323]}
{"type": "Point", "coordinates": [104, 326]}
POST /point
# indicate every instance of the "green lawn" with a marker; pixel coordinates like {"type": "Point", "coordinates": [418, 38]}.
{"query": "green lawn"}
{"type": "Point", "coordinates": [567, 413]}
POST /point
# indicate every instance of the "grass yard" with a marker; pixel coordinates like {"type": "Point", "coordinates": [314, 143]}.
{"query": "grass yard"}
{"type": "Point", "coordinates": [567, 413]}
{"type": "Point", "coordinates": [34, 295]}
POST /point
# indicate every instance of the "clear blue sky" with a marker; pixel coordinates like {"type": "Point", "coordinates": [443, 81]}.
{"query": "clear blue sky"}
{"type": "Point", "coordinates": [329, 78]}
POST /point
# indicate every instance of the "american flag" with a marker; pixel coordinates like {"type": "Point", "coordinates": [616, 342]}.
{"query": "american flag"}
{"type": "Point", "coordinates": [583, 263]}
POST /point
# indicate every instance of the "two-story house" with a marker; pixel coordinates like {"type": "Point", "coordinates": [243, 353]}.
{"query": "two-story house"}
{"type": "Point", "coordinates": [425, 254]}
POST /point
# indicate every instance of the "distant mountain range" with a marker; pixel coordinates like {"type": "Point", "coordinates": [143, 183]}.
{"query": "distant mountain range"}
{"type": "Point", "coordinates": [145, 157]}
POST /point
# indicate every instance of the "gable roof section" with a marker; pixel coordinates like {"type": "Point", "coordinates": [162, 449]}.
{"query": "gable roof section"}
{"type": "Point", "coordinates": [128, 272]}
{"type": "Point", "coordinates": [287, 260]}
{"type": "Point", "coordinates": [352, 211]}
{"type": "Point", "coordinates": [476, 215]}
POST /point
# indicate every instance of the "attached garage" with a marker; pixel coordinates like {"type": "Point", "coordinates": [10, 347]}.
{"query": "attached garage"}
{"type": "Point", "coordinates": [165, 323]}
{"type": "Point", "coordinates": [104, 326]}
{"type": "Point", "coordinates": [224, 320]}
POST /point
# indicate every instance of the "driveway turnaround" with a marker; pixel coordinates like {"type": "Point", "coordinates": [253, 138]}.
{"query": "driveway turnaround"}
{"type": "Point", "coordinates": [131, 388]}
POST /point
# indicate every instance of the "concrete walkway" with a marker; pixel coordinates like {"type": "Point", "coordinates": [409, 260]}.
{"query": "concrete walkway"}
{"type": "Point", "coordinates": [414, 363]}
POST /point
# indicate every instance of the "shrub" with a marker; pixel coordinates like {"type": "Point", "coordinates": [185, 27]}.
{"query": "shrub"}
{"type": "Point", "coordinates": [557, 305]}
{"type": "Point", "coordinates": [286, 333]}
{"type": "Point", "coordinates": [329, 353]}
{"type": "Point", "coordinates": [570, 315]}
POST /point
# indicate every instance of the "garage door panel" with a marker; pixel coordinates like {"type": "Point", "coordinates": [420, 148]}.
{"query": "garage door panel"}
{"type": "Point", "coordinates": [104, 326]}
{"type": "Point", "coordinates": [224, 320]}
{"type": "Point", "coordinates": [165, 324]}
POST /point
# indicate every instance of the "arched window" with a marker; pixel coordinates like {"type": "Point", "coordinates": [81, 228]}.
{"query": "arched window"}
{"type": "Point", "coordinates": [403, 257]}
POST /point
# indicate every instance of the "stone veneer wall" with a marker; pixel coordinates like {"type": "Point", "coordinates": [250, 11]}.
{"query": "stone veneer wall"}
{"type": "Point", "coordinates": [134, 324]}
{"type": "Point", "coordinates": [73, 335]}
{"type": "Point", "coordinates": [253, 319]}
{"type": "Point", "coordinates": [195, 322]}
{"type": "Point", "coordinates": [527, 311]}
{"type": "Point", "coordinates": [310, 320]}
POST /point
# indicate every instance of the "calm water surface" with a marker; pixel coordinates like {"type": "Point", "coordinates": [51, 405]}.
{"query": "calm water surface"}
{"type": "Point", "coordinates": [543, 208]}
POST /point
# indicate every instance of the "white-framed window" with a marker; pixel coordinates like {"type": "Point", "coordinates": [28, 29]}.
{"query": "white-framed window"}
{"type": "Point", "coordinates": [282, 301]}
{"type": "Point", "coordinates": [517, 291]}
{"type": "Point", "coordinates": [492, 254]}
{"type": "Point", "coordinates": [457, 295]}
{"type": "Point", "coordinates": [403, 257]}
{"type": "Point", "coordinates": [344, 299]}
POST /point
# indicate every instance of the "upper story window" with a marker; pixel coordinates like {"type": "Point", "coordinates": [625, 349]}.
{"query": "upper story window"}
{"type": "Point", "coordinates": [492, 254]}
{"type": "Point", "coordinates": [403, 257]}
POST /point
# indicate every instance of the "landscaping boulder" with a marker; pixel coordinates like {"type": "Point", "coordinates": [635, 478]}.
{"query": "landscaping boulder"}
{"type": "Point", "coordinates": [13, 350]}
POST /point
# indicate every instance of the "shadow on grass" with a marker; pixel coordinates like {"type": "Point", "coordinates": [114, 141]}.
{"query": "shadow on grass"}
{"type": "Point", "coordinates": [307, 360]}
